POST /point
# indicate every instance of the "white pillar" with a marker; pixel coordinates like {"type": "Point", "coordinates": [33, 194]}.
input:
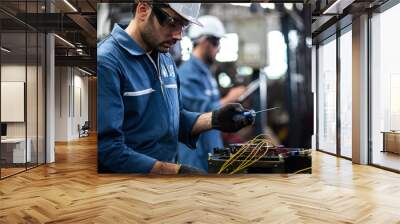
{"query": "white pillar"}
{"type": "Point", "coordinates": [360, 90]}
{"type": "Point", "coordinates": [50, 92]}
{"type": "Point", "coordinates": [50, 99]}
{"type": "Point", "coordinates": [314, 91]}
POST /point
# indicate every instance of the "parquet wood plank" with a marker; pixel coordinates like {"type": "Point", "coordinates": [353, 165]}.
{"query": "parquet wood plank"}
{"type": "Point", "coordinates": [71, 191]}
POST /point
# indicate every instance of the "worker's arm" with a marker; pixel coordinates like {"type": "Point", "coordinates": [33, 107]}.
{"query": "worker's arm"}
{"type": "Point", "coordinates": [202, 124]}
{"type": "Point", "coordinates": [220, 119]}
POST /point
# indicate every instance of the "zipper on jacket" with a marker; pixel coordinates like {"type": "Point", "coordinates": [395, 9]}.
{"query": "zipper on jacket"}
{"type": "Point", "coordinates": [156, 66]}
{"type": "Point", "coordinates": [165, 97]}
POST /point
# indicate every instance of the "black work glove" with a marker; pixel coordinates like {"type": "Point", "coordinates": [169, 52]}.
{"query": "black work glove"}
{"type": "Point", "coordinates": [229, 118]}
{"type": "Point", "coordinates": [185, 169]}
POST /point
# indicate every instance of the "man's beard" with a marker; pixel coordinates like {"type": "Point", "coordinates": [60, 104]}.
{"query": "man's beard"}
{"type": "Point", "coordinates": [149, 38]}
{"type": "Point", "coordinates": [208, 58]}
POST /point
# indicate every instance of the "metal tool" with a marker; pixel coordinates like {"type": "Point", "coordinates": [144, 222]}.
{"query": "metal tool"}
{"type": "Point", "coordinates": [249, 115]}
{"type": "Point", "coordinates": [272, 108]}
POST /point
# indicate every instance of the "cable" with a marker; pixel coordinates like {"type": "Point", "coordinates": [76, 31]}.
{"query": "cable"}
{"type": "Point", "coordinates": [254, 154]}
{"type": "Point", "coordinates": [299, 171]}
{"type": "Point", "coordinates": [249, 162]}
{"type": "Point", "coordinates": [246, 162]}
{"type": "Point", "coordinates": [256, 149]}
{"type": "Point", "coordinates": [237, 155]}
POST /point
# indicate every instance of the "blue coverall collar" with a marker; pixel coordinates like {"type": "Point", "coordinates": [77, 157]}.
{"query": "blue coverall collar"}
{"type": "Point", "coordinates": [126, 41]}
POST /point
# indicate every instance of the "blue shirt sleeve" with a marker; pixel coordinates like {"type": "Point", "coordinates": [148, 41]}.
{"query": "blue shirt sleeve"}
{"type": "Point", "coordinates": [113, 154]}
{"type": "Point", "coordinates": [187, 120]}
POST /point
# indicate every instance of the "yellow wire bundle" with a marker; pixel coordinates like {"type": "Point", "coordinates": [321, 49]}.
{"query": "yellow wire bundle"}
{"type": "Point", "coordinates": [260, 150]}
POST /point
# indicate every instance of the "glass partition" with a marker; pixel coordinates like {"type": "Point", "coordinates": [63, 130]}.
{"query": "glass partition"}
{"type": "Point", "coordinates": [327, 96]}
{"type": "Point", "coordinates": [13, 105]}
{"type": "Point", "coordinates": [22, 89]}
{"type": "Point", "coordinates": [346, 94]}
{"type": "Point", "coordinates": [385, 89]}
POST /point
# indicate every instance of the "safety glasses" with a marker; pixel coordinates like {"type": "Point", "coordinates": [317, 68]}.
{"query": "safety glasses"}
{"type": "Point", "coordinates": [213, 40]}
{"type": "Point", "coordinates": [166, 20]}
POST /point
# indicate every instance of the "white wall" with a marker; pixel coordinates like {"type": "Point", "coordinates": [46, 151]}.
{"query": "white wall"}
{"type": "Point", "coordinates": [80, 110]}
{"type": "Point", "coordinates": [61, 103]}
{"type": "Point", "coordinates": [71, 93]}
{"type": "Point", "coordinates": [13, 73]}
{"type": "Point", "coordinates": [16, 73]}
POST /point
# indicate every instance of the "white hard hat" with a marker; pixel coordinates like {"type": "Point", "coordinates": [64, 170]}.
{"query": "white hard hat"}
{"type": "Point", "coordinates": [211, 26]}
{"type": "Point", "coordinates": [189, 11]}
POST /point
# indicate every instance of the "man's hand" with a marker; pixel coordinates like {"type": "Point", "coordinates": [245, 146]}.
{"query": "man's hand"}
{"type": "Point", "coordinates": [222, 119]}
{"type": "Point", "coordinates": [189, 170]}
{"type": "Point", "coordinates": [233, 95]}
{"type": "Point", "coordinates": [171, 168]}
{"type": "Point", "coordinates": [165, 168]}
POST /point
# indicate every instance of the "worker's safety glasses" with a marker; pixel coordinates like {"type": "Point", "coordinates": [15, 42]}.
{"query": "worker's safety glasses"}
{"type": "Point", "coordinates": [213, 40]}
{"type": "Point", "coordinates": [166, 20]}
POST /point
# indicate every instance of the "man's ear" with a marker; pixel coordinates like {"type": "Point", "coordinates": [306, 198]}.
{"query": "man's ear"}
{"type": "Point", "coordinates": [143, 10]}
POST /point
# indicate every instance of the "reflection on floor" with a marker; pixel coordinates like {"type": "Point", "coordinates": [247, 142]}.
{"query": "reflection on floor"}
{"type": "Point", "coordinates": [386, 159]}
{"type": "Point", "coordinates": [8, 170]}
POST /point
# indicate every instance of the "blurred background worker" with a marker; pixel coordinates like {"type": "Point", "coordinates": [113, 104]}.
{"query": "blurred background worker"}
{"type": "Point", "coordinates": [199, 88]}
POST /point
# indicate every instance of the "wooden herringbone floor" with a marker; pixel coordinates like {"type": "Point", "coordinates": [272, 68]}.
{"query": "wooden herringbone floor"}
{"type": "Point", "coordinates": [70, 191]}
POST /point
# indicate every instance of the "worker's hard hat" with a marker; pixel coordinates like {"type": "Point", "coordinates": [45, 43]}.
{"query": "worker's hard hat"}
{"type": "Point", "coordinates": [189, 11]}
{"type": "Point", "coordinates": [211, 26]}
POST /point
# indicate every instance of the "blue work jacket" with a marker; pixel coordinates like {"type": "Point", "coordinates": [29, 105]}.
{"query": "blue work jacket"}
{"type": "Point", "coordinates": [199, 93]}
{"type": "Point", "coordinates": [140, 117]}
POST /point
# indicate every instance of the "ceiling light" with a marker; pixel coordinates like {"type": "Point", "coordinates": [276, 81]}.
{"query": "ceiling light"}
{"type": "Point", "coordinates": [338, 6]}
{"type": "Point", "coordinates": [244, 71]}
{"type": "Point", "coordinates": [64, 40]}
{"type": "Point", "coordinates": [224, 80]}
{"type": "Point", "coordinates": [268, 6]}
{"type": "Point", "coordinates": [242, 4]}
{"type": "Point", "coordinates": [84, 71]}
{"type": "Point", "coordinates": [5, 50]}
{"type": "Point", "coordinates": [70, 5]}
{"type": "Point", "coordinates": [288, 6]}
{"type": "Point", "coordinates": [229, 48]}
